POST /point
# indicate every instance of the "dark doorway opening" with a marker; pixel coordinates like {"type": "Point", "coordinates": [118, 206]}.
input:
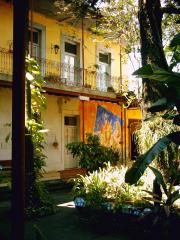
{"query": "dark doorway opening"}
{"type": "Point", "coordinates": [133, 125]}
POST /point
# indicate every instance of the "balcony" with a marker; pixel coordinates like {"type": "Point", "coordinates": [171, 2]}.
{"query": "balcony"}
{"type": "Point", "coordinates": [62, 76]}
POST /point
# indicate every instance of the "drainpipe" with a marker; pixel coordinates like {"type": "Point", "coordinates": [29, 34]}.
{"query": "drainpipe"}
{"type": "Point", "coordinates": [82, 31]}
{"type": "Point", "coordinates": [120, 75]}
{"type": "Point", "coordinates": [18, 119]}
{"type": "Point", "coordinates": [120, 64]}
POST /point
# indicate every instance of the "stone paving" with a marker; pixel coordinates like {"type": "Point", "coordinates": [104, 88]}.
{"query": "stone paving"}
{"type": "Point", "coordinates": [64, 225]}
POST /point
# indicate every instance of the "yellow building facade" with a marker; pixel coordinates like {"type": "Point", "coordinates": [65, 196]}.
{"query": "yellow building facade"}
{"type": "Point", "coordinates": [82, 73]}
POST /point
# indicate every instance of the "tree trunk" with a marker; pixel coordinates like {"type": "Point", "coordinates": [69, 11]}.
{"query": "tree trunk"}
{"type": "Point", "coordinates": [150, 17]}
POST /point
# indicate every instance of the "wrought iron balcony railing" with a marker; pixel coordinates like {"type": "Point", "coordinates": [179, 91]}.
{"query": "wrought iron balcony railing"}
{"type": "Point", "coordinates": [60, 73]}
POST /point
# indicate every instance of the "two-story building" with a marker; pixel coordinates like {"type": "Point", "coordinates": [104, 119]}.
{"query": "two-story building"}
{"type": "Point", "coordinates": [85, 75]}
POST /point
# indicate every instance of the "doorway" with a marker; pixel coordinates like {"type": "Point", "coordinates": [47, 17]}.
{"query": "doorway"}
{"type": "Point", "coordinates": [71, 134]}
{"type": "Point", "coordinates": [133, 125]}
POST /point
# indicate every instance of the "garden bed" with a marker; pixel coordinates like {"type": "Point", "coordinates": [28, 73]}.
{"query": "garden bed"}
{"type": "Point", "coordinates": [107, 204]}
{"type": "Point", "coordinates": [145, 225]}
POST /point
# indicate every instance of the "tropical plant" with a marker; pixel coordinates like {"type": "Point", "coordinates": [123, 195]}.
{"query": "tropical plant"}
{"type": "Point", "coordinates": [168, 189]}
{"type": "Point", "coordinates": [168, 106]}
{"type": "Point", "coordinates": [38, 201]}
{"type": "Point", "coordinates": [107, 185]}
{"type": "Point", "coordinates": [92, 154]}
{"type": "Point", "coordinates": [150, 132]}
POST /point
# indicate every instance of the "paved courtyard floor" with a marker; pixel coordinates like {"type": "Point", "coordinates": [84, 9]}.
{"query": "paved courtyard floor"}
{"type": "Point", "coordinates": [64, 225]}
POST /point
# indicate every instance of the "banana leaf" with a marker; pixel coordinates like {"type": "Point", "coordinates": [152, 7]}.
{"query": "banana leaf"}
{"type": "Point", "coordinates": [160, 179]}
{"type": "Point", "coordinates": [151, 193]}
{"type": "Point", "coordinates": [151, 199]}
{"type": "Point", "coordinates": [175, 41]}
{"type": "Point", "coordinates": [136, 171]}
{"type": "Point", "coordinates": [173, 197]}
{"type": "Point", "coordinates": [162, 104]}
{"type": "Point", "coordinates": [159, 74]}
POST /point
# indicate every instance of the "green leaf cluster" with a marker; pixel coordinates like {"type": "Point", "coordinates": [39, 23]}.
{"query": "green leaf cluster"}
{"type": "Point", "coordinates": [171, 194]}
{"type": "Point", "coordinates": [92, 155]}
{"type": "Point", "coordinates": [107, 185]}
{"type": "Point", "coordinates": [38, 202]}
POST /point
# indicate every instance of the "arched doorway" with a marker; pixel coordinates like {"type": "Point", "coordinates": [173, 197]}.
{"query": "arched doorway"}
{"type": "Point", "coordinates": [133, 125]}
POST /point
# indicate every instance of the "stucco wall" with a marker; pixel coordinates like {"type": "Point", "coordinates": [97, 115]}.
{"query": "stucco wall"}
{"type": "Point", "coordinates": [53, 116]}
{"type": "Point", "coordinates": [5, 118]}
{"type": "Point", "coordinates": [53, 35]}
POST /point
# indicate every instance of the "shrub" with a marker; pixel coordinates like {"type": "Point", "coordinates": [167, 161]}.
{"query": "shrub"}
{"type": "Point", "coordinates": [108, 186]}
{"type": "Point", "coordinates": [92, 155]}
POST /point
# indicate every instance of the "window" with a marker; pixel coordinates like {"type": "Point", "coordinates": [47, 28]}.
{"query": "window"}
{"type": "Point", "coordinates": [71, 62]}
{"type": "Point", "coordinates": [71, 48]}
{"type": "Point", "coordinates": [104, 58]}
{"type": "Point", "coordinates": [36, 43]}
{"type": "Point", "coordinates": [70, 121]}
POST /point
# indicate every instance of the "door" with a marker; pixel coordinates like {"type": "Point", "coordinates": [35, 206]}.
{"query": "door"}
{"type": "Point", "coordinates": [70, 135]}
{"type": "Point", "coordinates": [103, 71]}
{"type": "Point", "coordinates": [102, 77]}
{"type": "Point", "coordinates": [69, 69]}
{"type": "Point", "coordinates": [70, 63]}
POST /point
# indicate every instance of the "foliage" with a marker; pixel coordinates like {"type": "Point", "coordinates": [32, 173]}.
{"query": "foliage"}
{"type": "Point", "coordinates": [37, 200]}
{"type": "Point", "coordinates": [170, 23]}
{"type": "Point", "coordinates": [170, 100]}
{"type": "Point", "coordinates": [108, 186]}
{"type": "Point", "coordinates": [92, 155]}
{"type": "Point", "coordinates": [150, 132]}
{"type": "Point", "coordinates": [119, 22]}
{"type": "Point", "coordinates": [34, 124]}
{"type": "Point", "coordinates": [40, 203]}
{"type": "Point", "coordinates": [78, 8]}
{"type": "Point", "coordinates": [171, 194]}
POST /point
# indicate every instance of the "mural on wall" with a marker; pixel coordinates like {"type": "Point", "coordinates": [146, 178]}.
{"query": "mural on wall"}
{"type": "Point", "coordinates": [108, 127]}
{"type": "Point", "coordinates": [103, 119]}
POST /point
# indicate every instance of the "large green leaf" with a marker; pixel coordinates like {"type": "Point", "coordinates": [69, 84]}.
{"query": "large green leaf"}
{"type": "Point", "coordinates": [159, 178]}
{"type": "Point", "coordinates": [136, 171]}
{"type": "Point", "coordinates": [173, 197]}
{"type": "Point", "coordinates": [152, 199]}
{"type": "Point", "coordinates": [161, 105]}
{"type": "Point", "coordinates": [159, 74]}
{"type": "Point", "coordinates": [175, 41]}
{"type": "Point", "coordinates": [151, 193]}
{"type": "Point", "coordinates": [144, 71]}
{"type": "Point", "coordinates": [169, 115]}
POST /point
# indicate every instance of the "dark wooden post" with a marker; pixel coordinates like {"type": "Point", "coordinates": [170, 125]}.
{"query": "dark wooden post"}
{"type": "Point", "coordinates": [18, 118]}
